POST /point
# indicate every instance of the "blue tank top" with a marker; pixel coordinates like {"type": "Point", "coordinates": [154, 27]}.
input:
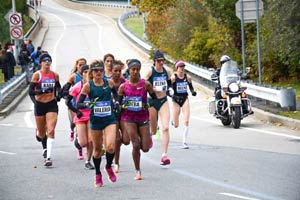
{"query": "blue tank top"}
{"type": "Point", "coordinates": [77, 77]}
{"type": "Point", "coordinates": [159, 79]}
{"type": "Point", "coordinates": [180, 86]}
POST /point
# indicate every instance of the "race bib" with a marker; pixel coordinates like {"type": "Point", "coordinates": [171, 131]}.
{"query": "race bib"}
{"type": "Point", "coordinates": [87, 101]}
{"type": "Point", "coordinates": [134, 103]}
{"type": "Point", "coordinates": [181, 87]}
{"type": "Point", "coordinates": [47, 84]}
{"type": "Point", "coordinates": [160, 83]}
{"type": "Point", "coordinates": [102, 109]}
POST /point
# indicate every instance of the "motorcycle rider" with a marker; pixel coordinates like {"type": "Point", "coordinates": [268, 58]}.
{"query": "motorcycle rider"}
{"type": "Point", "coordinates": [216, 77]}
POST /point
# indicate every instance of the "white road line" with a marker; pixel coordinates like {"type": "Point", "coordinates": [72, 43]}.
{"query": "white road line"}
{"type": "Point", "coordinates": [100, 46]}
{"type": "Point", "coordinates": [53, 66]}
{"type": "Point", "coordinates": [215, 182]}
{"type": "Point", "coordinates": [254, 129]}
{"type": "Point", "coordinates": [238, 196]}
{"type": "Point", "coordinates": [8, 153]}
{"type": "Point", "coordinates": [225, 185]}
{"type": "Point", "coordinates": [6, 124]}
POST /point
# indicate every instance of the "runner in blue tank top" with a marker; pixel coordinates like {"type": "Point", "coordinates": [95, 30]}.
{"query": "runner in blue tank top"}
{"type": "Point", "coordinates": [181, 82]}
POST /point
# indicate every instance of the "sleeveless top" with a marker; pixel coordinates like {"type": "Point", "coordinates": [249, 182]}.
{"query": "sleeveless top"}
{"type": "Point", "coordinates": [159, 79]}
{"type": "Point", "coordinates": [46, 81]}
{"type": "Point", "coordinates": [180, 86]}
{"type": "Point", "coordinates": [103, 105]}
{"type": "Point", "coordinates": [77, 78]}
{"type": "Point", "coordinates": [122, 80]}
{"type": "Point", "coordinates": [135, 102]}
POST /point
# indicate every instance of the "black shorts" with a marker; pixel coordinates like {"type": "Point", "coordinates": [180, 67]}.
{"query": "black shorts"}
{"type": "Point", "coordinates": [41, 109]}
{"type": "Point", "coordinates": [179, 100]}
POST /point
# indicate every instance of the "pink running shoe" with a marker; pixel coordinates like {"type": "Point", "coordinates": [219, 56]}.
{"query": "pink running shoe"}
{"type": "Point", "coordinates": [111, 175]}
{"type": "Point", "coordinates": [80, 155]}
{"type": "Point", "coordinates": [72, 136]}
{"type": "Point", "coordinates": [150, 142]}
{"type": "Point", "coordinates": [165, 160]}
{"type": "Point", "coordinates": [98, 180]}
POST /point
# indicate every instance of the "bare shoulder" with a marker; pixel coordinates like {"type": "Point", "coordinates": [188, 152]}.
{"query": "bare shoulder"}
{"type": "Point", "coordinates": [148, 73]}
{"type": "Point", "coordinates": [35, 77]}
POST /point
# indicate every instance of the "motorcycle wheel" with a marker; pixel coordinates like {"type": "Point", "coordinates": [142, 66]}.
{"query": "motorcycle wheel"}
{"type": "Point", "coordinates": [236, 117]}
{"type": "Point", "coordinates": [226, 122]}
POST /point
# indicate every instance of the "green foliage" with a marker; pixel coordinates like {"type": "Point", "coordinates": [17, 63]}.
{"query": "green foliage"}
{"type": "Point", "coordinates": [280, 40]}
{"type": "Point", "coordinates": [201, 31]}
{"type": "Point", "coordinates": [177, 34]}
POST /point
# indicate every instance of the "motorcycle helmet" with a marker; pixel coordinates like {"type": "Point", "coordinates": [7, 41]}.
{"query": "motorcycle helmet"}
{"type": "Point", "coordinates": [224, 59]}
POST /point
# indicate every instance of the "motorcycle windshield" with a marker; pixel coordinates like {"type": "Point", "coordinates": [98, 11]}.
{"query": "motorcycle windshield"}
{"type": "Point", "coordinates": [229, 73]}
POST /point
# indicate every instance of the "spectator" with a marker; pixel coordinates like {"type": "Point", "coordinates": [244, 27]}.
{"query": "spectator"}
{"type": "Point", "coordinates": [3, 64]}
{"type": "Point", "coordinates": [35, 58]}
{"type": "Point", "coordinates": [24, 61]}
{"type": "Point", "coordinates": [10, 60]}
{"type": "Point", "coordinates": [29, 45]}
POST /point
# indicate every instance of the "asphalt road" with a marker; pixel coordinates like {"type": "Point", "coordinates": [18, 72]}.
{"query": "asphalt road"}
{"type": "Point", "coordinates": [259, 161]}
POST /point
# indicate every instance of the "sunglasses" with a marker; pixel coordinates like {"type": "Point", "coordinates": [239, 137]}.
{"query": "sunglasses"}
{"type": "Point", "coordinates": [160, 60]}
{"type": "Point", "coordinates": [85, 71]}
{"type": "Point", "coordinates": [47, 60]}
{"type": "Point", "coordinates": [98, 70]}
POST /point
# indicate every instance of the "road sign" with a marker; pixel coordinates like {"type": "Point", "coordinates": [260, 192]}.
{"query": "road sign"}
{"type": "Point", "coordinates": [15, 19]}
{"type": "Point", "coordinates": [16, 32]}
{"type": "Point", "coordinates": [249, 10]}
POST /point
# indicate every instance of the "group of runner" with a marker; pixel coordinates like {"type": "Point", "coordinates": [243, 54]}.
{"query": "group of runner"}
{"type": "Point", "coordinates": [109, 107]}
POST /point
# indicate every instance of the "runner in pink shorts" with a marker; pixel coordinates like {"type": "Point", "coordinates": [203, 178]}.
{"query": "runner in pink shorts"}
{"type": "Point", "coordinates": [82, 118]}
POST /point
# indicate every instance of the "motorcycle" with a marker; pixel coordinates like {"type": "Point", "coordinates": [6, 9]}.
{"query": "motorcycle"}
{"type": "Point", "coordinates": [230, 103]}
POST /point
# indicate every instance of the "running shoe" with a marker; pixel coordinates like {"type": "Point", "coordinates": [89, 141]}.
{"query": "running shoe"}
{"type": "Point", "coordinates": [48, 162]}
{"type": "Point", "coordinates": [138, 175]}
{"type": "Point", "coordinates": [79, 154]}
{"type": "Point", "coordinates": [88, 165]}
{"type": "Point", "coordinates": [185, 146]}
{"type": "Point", "coordinates": [98, 180]}
{"type": "Point", "coordinates": [116, 168]}
{"type": "Point", "coordinates": [165, 160]}
{"type": "Point", "coordinates": [72, 136]}
{"type": "Point", "coordinates": [111, 175]}
{"type": "Point", "coordinates": [45, 153]}
{"type": "Point", "coordinates": [150, 142]}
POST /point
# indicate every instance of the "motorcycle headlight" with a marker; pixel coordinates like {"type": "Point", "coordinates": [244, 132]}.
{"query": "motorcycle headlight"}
{"type": "Point", "coordinates": [234, 87]}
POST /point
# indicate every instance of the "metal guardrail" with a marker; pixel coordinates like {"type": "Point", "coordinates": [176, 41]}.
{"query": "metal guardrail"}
{"type": "Point", "coordinates": [11, 85]}
{"type": "Point", "coordinates": [103, 4]}
{"type": "Point", "coordinates": [286, 98]}
{"type": "Point", "coordinates": [127, 32]}
{"type": "Point", "coordinates": [17, 80]}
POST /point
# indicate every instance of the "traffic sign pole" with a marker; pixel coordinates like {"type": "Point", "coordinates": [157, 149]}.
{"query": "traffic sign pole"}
{"type": "Point", "coordinates": [258, 41]}
{"type": "Point", "coordinates": [16, 42]}
{"type": "Point", "coordinates": [243, 37]}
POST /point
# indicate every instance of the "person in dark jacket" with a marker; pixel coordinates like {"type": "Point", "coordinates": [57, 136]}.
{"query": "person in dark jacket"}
{"type": "Point", "coordinates": [24, 61]}
{"type": "Point", "coordinates": [10, 61]}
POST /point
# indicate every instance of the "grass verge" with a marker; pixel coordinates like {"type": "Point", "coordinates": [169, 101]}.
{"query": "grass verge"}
{"type": "Point", "coordinates": [135, 25]}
